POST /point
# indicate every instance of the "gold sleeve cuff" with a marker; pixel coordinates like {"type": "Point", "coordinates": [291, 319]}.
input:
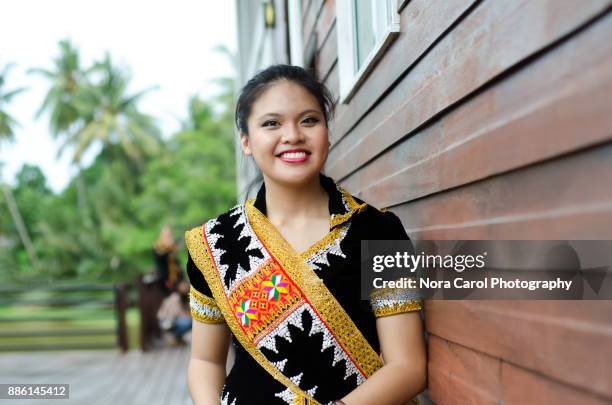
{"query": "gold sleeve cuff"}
{"type": "Point", "coordinates": [204, 308]}
{"type": "Point", "coordinates": [398, 308]}
{"type": "Point", "coordinates": [387, 302]}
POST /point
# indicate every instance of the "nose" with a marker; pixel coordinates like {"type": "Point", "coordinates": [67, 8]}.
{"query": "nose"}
{"type": "Point", "coordinates": [292, 134]}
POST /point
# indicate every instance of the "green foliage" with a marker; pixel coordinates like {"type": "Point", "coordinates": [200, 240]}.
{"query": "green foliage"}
{"type": "Point", "coordinates": [103, 225]}
{"type": "Point", "coordinates": [191, 179]}
{"type": "Point", "coordinates": [7, 122]}
{"type": "Point", "coordinates": [92, 105]}
{"type": "Point", "coordinates": [108, 115]}
{"type": "Point", "coordinates": [66, 80]}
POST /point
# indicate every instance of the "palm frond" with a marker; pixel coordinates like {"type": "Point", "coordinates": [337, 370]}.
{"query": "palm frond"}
{"type": "Point", "coordinates": [7, 122]}
{"type": "Point", "coordinates": [133, 99]}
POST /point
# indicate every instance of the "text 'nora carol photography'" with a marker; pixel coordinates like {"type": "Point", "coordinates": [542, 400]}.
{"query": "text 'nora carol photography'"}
{"type": "Point", "coordinates": [489, 269]}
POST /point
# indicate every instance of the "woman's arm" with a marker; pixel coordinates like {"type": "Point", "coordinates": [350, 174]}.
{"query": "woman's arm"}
{"type": "Point", "coordinates": [404, 372]}
{"type": "Point", "coordinates": [206, 373]}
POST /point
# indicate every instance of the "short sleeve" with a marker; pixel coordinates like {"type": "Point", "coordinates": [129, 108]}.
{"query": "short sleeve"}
{"type": "Point", "coordinates": [391, 301]}
{"type": "Point", "coordinates": [203, 307]}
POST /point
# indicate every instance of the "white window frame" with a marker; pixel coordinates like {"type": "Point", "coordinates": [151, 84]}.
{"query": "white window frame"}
{"type": "Point", "coordinates": [296, 47]}
{"type": "Point", "coordinates": [347, 55]}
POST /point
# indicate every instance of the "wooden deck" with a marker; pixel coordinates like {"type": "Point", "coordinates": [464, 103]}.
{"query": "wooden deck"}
{"type": "Point", "coordinates": [104, 377]}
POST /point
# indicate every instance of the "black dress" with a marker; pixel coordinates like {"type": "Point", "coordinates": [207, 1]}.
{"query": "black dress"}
{"type": "Point", "coordinates": [312, 347]}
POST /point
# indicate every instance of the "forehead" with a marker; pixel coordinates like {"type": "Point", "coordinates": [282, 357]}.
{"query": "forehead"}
{"type": "Point", "coordinates": [285, 98]}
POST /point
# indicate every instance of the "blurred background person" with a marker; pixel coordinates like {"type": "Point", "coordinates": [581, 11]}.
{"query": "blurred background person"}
{"type": "Point", "coordinates": [167, 265]}
{"type": "Point", "coordinates": [174, 316]}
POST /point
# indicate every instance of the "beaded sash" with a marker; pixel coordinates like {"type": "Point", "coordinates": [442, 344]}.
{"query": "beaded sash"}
{"type": "Point", "coordinates": [271, 293]}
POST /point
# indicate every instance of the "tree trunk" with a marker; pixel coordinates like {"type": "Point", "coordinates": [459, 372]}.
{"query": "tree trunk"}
{"type": "Point", "coordinates": [21, 229]}
{"type": "Point", "coordinates": [82, 197]}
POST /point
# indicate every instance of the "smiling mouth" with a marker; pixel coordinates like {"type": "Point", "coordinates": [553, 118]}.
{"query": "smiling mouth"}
{"type": "Point", "coordinates": [294, 157]}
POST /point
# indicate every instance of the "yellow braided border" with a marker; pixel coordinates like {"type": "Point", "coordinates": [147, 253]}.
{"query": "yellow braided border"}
{"type": "Point", "coordinates": [321, 299]}
{"type": "Point", "coordinates": [202, 257]}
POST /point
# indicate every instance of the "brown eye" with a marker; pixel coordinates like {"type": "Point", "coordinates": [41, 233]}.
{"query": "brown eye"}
{"type": "Point", "coordinates": [310, 120]}
{"type": "Point", "coordinates": [270, 123]}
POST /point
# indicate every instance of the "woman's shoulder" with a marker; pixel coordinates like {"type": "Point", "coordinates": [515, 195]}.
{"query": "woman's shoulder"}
{"type": "Point", "coordinates": [229, 218]}
{"type": "Point", "coordinates": [380, 223]}
{"type": "Point", "coordinates": [372, 212]}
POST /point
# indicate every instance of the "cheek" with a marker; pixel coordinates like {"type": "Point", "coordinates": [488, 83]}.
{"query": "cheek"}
{"type": "Point", "coordinates": [322, 140]}
{"type": "Point", "coordinates": [262, 145]}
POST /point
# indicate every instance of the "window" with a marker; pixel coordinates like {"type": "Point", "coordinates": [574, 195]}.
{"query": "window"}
{"type": "Point", "coordinates": [365, 29]}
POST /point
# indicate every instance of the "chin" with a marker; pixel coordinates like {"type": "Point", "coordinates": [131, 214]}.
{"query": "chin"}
{"type": "Point", "coordinates": [295, 179]}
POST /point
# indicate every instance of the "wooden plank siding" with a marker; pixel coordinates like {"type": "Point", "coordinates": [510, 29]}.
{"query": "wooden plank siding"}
{"type": "Point", "coordinates": [458, 374]}
{"type": "Point", "coordinates": [488, 42]}
{"type": "Point", "coordinates": [489, 119]}
{"type": "Point", "coordinates": [550, 338]}
{"type": "Point", "coordinates": [557, 105]}
{"type": "Point", "coordinates": [423, 24]}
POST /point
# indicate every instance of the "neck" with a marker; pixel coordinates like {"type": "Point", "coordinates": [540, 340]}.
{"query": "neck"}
{"type": "Point", "coordinates": [287, 202]}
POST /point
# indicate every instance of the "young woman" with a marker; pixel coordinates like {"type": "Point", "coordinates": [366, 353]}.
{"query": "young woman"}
{"type": "Point", "coordinates": [279, 275]}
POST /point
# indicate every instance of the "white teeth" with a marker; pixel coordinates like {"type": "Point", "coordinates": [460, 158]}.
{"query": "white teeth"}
{"type": "Point", "coordinates": [294, 155]}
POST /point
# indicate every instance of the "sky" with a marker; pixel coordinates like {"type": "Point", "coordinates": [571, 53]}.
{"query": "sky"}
{"type": "Point", "coordinates": [163, 43]}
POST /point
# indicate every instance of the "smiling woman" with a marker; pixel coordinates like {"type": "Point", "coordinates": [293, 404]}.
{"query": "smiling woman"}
{"type": "Point", "coordinates": [279, 275]}
{"type": "Point", "coordinates": [289, 118]}
{"type": "Point", "coordinates": [288, 134]}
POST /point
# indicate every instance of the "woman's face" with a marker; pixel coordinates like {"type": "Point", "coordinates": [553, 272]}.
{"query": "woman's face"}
{"type": "Point", "coordinates": [287, 134]}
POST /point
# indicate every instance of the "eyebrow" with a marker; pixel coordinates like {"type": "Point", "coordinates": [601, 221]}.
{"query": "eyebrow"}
{"type": "Point", "coordinates": [310, 111]}
{"type": "Point", "coordinates": [276, 115]}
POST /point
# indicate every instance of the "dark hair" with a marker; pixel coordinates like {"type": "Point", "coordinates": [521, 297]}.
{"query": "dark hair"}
{"type": "Point", "coordinates": [265, 78]}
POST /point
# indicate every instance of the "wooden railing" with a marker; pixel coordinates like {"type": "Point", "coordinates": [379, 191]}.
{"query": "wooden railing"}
{"type": "Point", "coordinates": [63, 317]}
{"type": "Point", "coordinates": [150, 297]}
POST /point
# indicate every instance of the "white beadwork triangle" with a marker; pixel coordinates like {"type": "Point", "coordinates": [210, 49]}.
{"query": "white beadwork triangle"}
{"type": "Point", "coordinates": [269, 342]}
{"type": "Point", "coordinates": [213, 238]}
{"type": "Point", "coordinates": [296, 321]}
{"type": "Point", "coordinates": [286, 395]}
{"type": "Point", "coordinates": [321, 256]}
{"type": "Point", "coordinates": [296, 379]}
{"type": "Point", "coordinates": [226, 398]}
{"type": "Point", "coordinates": [236, 210]}
{"type": "Point", "coordinates": [280, 365]}
{"type": "Point", "coordinates": [312, 391]}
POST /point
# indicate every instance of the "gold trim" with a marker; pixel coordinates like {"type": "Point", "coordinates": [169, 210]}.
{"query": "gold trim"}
{"type": "Point", "coordinates": [354, 207]}
{"type": "Point", "coordinates": [204, 301]}
{"type": "Point", "coordinates": [398, 308]}
{"type": "Point", "coordinates": [321, 299]}
{"type": "Point", "coordinates": [336, 220]}
{"type": "Point", "coordinates": [299, 399]}
{"type": "Point", "coordinates": [202, 257]}
{"type": "Point", "coordinates": [327, 240]}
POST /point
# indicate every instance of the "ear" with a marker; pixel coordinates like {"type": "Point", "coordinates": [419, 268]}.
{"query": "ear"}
{"type": "Point", "coordinates": [244, 143]}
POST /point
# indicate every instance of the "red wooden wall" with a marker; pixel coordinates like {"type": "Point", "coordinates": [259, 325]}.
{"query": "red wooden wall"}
{"type": "Point", "coordinates": [490, 120]}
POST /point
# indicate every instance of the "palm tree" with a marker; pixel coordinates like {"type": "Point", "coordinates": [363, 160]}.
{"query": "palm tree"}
{"type": "Point", "coordinates": [67, 81]}
{"type": "Point", "coordinates": [111, 116]}
{"type": "Point", "coordinates": [85, 112]}
{"type": "Point", "coordinates": [7, 134]}
{"type": "Point", "coordinates": [7, 123]}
